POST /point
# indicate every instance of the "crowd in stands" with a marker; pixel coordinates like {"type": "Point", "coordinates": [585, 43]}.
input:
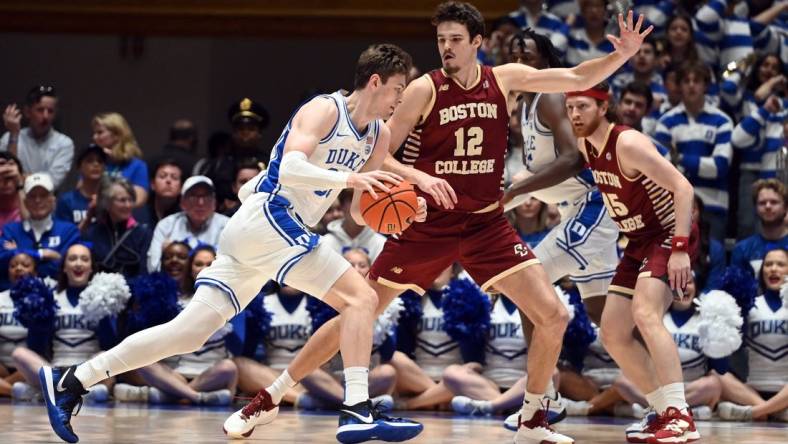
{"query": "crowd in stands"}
{"type": "Point", "coordinates": [84, 265]}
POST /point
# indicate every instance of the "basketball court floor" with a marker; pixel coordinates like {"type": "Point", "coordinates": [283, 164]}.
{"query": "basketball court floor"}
{"type": "Point", "coordinates": [134, 424]}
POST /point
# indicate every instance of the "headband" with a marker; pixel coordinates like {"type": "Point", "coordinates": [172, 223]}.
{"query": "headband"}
{"type": "Point", "coordinates": [593, 93]}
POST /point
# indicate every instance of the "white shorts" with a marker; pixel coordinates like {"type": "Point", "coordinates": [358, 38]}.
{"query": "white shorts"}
{"type": "Point", "coordinates": [583, 247]}
{"type": "Point", "coordinates": [264, 241]}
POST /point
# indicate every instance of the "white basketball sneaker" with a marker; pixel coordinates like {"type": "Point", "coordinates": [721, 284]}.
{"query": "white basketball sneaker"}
{"type": "Point", "coordinates": [261, 410]}
{"type": "Point", "coordinates": [537, 431]}
{"type": "Point", "coordinates": [734, 412]}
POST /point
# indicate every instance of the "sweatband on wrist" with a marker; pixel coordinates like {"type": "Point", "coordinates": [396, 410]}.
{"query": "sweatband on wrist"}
{"type": "Point", "coordinates": [680, 243]}
{"type": "Point", "coordinates": [297, 172]}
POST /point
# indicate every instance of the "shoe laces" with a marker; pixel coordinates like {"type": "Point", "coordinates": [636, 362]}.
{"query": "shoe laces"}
{"type": "Point", "coordinates": [377, 414]}
{"type": "Point", "coordinates": [255, 406]}
{"type": "Point", "coordinates": [656, 424]}
{"type": "Point", "coordinates": [672, 418]}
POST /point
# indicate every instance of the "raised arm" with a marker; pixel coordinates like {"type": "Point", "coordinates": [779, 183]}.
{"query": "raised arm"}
{"type": "Point", "coordinates": [636, 153]}
{"type": "Point", "coordinates": [519, 77]}
{"type": "Point", "coordinates": [569, 161]}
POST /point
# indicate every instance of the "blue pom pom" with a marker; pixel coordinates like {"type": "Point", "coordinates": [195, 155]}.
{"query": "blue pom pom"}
{"type": "Point", "coordinates": [319, 311]}
{"type": "Point", "coordinates": [578, 336]}
{"type": "Point", "coordinates": [412, 311]}
{"type": "Point", "coordinates": [154, 301]}
{"type": "Point", "coordinates": [740, 284]}
{"type": "Point", "coordinates": [34, 304]}
{"type": "Point", "coordinates": [466, 311]}
{"type": "Point", "coordinates": [258, 318]}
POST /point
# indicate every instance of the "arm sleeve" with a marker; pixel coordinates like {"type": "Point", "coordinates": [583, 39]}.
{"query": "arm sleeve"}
{"type": "Point", "coordinates": [716, 165]}
{"type": "Point", "coordinates": [138, 175]}
{"type": "Point", "coordinates": [747, 133]}
{"type": "Point", "coordinates": [296, 171]}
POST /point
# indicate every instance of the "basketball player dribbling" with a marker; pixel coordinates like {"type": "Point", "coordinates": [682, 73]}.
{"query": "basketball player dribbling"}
{"type": "Point", "coordinates": [651, 202]}
{"type": "Point", "coordinates": [332, 142]}
{"type": "Point", "coordinates": [461, 123]}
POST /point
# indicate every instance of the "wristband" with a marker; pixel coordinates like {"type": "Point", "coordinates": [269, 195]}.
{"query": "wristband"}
{"type": "Point", "coordinates": [680, 243]}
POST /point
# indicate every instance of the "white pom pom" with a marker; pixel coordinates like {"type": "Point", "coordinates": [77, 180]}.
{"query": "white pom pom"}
{"type": "Point", "coordinates": [565, 300]}
{"type": "Point", "coordinates": [720, 324]}
{"type": "Point", "coordinates": [387, 322]}
{"type": "Point", "coordinates": [784, 292]}
{"type": "Point", "coordinates": [105, 295]}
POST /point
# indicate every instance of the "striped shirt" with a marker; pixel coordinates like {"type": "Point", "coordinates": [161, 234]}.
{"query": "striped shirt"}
{"type": "Point", "coordinates": [704, 142]}
{"type": "Point", "coordinates": [562, 8]}
{"type": "Point", "coordinates": [656, 84]}
{"type": "Point", "coordinates": [721, 39]}
{"type": "Point", "coordinates": [581, 48]}
{"type": "Point", "coordinates": [545, 23]}
{"type": "Point", "coordinates": [760, 136]}
{"type": "Point", "coordinates": [657, 13]}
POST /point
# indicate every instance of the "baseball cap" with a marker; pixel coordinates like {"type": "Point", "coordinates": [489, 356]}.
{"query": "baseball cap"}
{"type": "Point", "coordinates": [194, 181]}
{"type": "Point", "coordinates": [92, 149]}
{"type": "Point", "coordinates": [39, 180]}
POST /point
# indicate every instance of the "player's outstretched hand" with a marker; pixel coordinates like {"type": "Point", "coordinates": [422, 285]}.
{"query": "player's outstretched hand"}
{"type": "Point", "coordinates": [438, 188]}
{"type": "Point", "coordinates": [679, 273]}
{"type": "Point", "coordinates": [370, 180]}
{"type": "Point", "coordinates": [629, 36]}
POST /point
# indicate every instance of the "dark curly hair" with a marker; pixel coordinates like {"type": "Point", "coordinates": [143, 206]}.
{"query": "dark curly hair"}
{"type": "Point", "coordinates": [460, 12]}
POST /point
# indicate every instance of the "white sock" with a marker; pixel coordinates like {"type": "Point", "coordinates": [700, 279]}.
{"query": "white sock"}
{"type": "Point", "coordinates": [656, 400]}
{"type": "Point", "coordinates": [532, 402]}
{"type": "Point", "coordinates": [673, 395]}
{"type": "Point", "coordinates": [550, 390]}
{"type": "Point", "coordinates": [356, 385]}
{"type": "Point", "coordinates": [280, 386]}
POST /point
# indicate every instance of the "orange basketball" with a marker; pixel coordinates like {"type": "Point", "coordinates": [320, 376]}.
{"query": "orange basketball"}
{"type": "Point", "coordinates": [391, 212]}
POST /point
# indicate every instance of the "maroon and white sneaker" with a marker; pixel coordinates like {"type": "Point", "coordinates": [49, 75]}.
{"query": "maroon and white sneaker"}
{"type": "Point", "coordinates": [538, 431]}
{"type": "Point", "coordinates": [261, 410]}
{"type": "Point", "coordinates": [675, 427]}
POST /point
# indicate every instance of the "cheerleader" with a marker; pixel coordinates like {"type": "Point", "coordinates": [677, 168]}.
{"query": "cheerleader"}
{"type": "Point", "coordinates": [84, 308]}
{"type": "Point", "coordinates": [766, 339]}
{"type": "Point", "coordinates": [426, 349]}
{"type": "Point", "coordinates": [12, 333]}
{"type": "Point", "coordinates": [207, 376]}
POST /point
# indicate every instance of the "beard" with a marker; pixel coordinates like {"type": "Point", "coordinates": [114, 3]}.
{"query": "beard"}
{"type": "Point", "coordinates": [451, 70]}
{"type": "Point", "coordinates": [587, 130]}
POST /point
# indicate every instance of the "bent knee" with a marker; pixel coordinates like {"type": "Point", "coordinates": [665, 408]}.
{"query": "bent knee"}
{"type": "Point", "coordinates": [227, 367]}
{"type": "Point", "coordinates": [386, 372]}
{"type": "Point", "coordinates": [453, 373]}
{"type": "Point", "coordinates": [552, 315]}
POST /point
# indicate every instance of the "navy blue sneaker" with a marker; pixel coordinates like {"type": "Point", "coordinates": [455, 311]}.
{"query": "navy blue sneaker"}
{"type": "Point", "coordinates": [363, 422]}
{"type": "Point", "coordinates": [62, 393]}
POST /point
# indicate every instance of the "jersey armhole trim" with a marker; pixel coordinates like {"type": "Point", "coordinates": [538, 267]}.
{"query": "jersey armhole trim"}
{"type": "Point", "coordinates": [336, 124]}
{"type": "Point", "coordinates": [425, 113]}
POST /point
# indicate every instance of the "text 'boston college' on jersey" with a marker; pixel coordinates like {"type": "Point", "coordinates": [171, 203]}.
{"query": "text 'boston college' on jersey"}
{"type": "Point", "coordinates": [641, 208]}
{"type": "Point", "coordinates": [463, 139]}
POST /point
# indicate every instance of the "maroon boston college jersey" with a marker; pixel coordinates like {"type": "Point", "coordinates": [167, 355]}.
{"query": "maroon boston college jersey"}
{"type": "Point", "coordinates": [642, 209]}
{"type": "Point", "coordinates": [463, 139]}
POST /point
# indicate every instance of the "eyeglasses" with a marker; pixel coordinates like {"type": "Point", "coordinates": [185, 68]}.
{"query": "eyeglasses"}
{"type": "Point", "coordinates": [196, 197]}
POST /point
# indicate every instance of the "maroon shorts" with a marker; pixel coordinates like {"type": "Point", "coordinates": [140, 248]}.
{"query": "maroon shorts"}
{"type": "Point", "coordinates": [646, 258]}
{"type": "Point", "coordinates": [485, 244]}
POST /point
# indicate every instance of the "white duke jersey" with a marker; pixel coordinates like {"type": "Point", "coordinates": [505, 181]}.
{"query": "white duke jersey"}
{"type": "Point", "coordinates": [767, 341]}
{"type": "Point", "coordinates": [343, 149]}
{"type": "Point", "coordinates": [435, 350]}
{"type": "Point", "coordinates": [539, 151]}
{"type": "Point", "coordinates": [12, 333]}
{"type": "Point", "coordinates": [289, 331]}
{"type": "Point", "coordinates": [75, 340]}
{"type": "Point", "coordinates": [687, 339]}
{"type": "Point", "coordinates": [506, 350]}
{"type": "Point", "coordinates": [598, 365]}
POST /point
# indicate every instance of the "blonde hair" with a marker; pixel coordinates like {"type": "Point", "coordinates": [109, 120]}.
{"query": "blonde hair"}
{"type": "Point", "coordinates": [127, 146]}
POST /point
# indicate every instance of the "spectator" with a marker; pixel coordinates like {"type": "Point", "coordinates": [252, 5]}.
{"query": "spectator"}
{"type": "Point", "coordinates": [42, 237]}
{"type": "Point", "coordinates": [181, 146]}
{"type": "Point", "coordinates": [198, 222]}
{"type": "Point", "coordinates": [218, 150]}
{"type": "Point", "coordinates": [723, 37]}
{"type": "Point", "coordinates": [530, 220]}
{"type": "Point", "coordinates": [165, 192]}
{"type": "Point", "coordinates": [12, 333]}
{"type": "Point", "coordinates": [246, 171]}
{"type": "Point", "coordinates": [531, 15]}
{"type": "Point", "coordinates": [345, 234]}
{"type": "Point", "coordinates": [744, 94]}
{"type": "Point", "coordinates": [39, 147]}
{"type": "Point", "coordinates": [75, 338]}
{"type": "Point", "coordinates": [333, 213]}
{"type": "Point", "coordinates": [494, 49]}
{"type": "Point", "coordinates": [589, 41]}
{"type": "Point", "coordinates": [119, 242]}
{"type": "Point", "coordinates": [112, 133]}
{"type": "Point", "coordinates": [10, 189]}
{"type": "Point", "coordinates": [72, 206]}
{"type": "Point", "coordinates": [710, 264]}
{"type": "Point", "coordinates": [760, 136]}
{"type": "Point", "coordinates": [769, 196]}
{"type": "Point", "coordinates": [645, 70]}
{"type": "Point", "coordinates": [698, 135]}
{"type": "Point", "coordinates": [679, 44]}
{"type": "Point", "coordinates": [633, 108]}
